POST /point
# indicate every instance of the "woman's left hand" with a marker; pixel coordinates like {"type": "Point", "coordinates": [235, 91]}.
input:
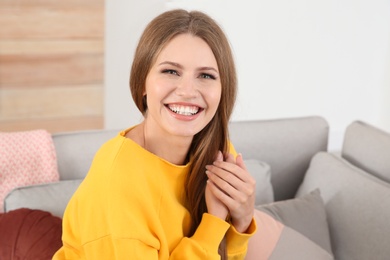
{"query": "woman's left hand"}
{"type": "Point", "coordinates": [233, 185]}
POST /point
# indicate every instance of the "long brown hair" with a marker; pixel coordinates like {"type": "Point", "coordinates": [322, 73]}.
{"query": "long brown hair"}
{"type": "Point", "coordinates": [214, 136]}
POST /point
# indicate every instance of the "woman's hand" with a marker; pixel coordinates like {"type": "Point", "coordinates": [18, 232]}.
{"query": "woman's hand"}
{"type": "Point", "coordinates": [214, 205]}
{"type": "Point", "coordinates": [231, 183]}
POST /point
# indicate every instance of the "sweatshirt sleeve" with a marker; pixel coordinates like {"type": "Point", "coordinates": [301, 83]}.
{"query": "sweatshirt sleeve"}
{"type": "Point", "coordinates": [205, 242]}
{"type": "Point", "coordinates": [237, 243]}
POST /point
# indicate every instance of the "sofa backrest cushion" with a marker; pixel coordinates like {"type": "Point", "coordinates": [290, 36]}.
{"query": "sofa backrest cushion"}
{"type": "Point", "coordinates": [50, 197]}
{"type": "Point", "coordinates": [75, 151]}
{"type": "Point", "coordinates": [368, 147]}
{"type": "Point", "coordinates": [357, 206]}
{"type": "Point", "coordinates": [261, 172]}
{"type": "Point", "coordinates": [287, 145]}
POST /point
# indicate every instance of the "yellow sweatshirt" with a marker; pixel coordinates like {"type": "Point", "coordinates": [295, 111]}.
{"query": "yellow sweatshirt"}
{"type": "Point", "coordinates": [130, 206]}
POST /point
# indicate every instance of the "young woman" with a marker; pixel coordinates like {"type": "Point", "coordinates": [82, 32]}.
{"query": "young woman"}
{"type": "Point", "coordinates": [171, 187]}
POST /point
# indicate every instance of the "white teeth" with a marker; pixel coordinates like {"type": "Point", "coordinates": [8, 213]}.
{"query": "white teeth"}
{"type": "Point", "coordinates": [184, 110]}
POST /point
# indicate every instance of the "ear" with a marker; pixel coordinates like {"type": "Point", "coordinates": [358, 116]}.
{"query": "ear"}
{"type": "Point", "coordinates": [144, 102]}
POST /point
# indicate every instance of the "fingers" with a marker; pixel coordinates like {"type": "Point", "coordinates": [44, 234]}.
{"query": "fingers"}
{"type": "Point", "coordinates": [224, 186]}
{"type": "Point", "coordinates": [219, 156]}
{"type": "Point", "coordinates": [230, 158]}
{"type": "Point", "coordinates": [214, 205]}
{"type": "Point", "coordinates": [236, 201]}
{"type": "Point", "coordinates": [238, 169]}
{"type": "Point", "coordinates": [220, 194]}
{"type": "Point", "coordinates": [240, 161]}
{"type": "Point", "coordinates": [231, 177]}
{"type": "Point", "coordinates": [223, 178]}
{"type": "Point", "coordinates": [232, 185]}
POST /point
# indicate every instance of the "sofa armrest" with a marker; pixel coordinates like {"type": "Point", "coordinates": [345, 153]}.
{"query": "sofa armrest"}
{"type": "Point", "coordinates": [368, 148]}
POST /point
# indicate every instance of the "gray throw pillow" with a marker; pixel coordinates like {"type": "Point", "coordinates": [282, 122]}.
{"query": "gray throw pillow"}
{"type": "Point", "coordinates": [291, 229]}
{"type": "Point", "coordinates": [357, 206]}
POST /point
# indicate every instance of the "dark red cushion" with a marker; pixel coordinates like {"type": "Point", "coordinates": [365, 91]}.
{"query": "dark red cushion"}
{"type": "Point", "coordinates": [29, 234]}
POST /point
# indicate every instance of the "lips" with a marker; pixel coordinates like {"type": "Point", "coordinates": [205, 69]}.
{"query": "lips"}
{"type": "Point", "coordinates": [184, 110]}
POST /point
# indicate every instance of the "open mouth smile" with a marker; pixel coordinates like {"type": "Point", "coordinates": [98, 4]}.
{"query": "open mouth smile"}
{"type": "Point", "coordinates": [184, 110]}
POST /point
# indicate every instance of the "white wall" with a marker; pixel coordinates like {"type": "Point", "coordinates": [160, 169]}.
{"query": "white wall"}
{"type": "Point", "coordinates": [294, 58]}
{"type": "Point", "coordinates": [125, 21]}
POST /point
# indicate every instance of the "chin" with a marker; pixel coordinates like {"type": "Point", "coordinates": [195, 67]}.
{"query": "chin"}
{"type": "Point", "coordinates": [186, 131]}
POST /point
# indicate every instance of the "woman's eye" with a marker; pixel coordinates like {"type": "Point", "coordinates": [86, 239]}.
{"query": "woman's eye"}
{"type": "Point", "coordinates": [173, 72]}
{"type": "Point", "coordinates": [207, 76]}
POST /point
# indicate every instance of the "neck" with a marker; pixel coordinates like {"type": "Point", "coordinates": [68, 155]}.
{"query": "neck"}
{"type": "Point", "coordinates": [173, 149]}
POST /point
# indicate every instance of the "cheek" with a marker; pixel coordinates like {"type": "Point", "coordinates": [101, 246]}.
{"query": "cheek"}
{"type": "Point", "coordinates": [156, 86]}
{"type": "Point", "coordinates": [152, 89]}
{"type": "Point", "coordinates": [215, 98]}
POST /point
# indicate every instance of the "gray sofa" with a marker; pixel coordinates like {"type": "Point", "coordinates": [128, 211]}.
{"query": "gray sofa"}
{"type": "Point", "coordinates": [292, 161]}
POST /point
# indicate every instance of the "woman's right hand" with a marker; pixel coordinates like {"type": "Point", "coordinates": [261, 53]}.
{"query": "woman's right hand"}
{"type": "Point", "coordinates": [234, 187]}
{"type": "Point", "coordinates": [214, 205]}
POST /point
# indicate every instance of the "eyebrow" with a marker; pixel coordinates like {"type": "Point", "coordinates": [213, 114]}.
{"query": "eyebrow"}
{"type": "Point", "coordinates": [181, 67]}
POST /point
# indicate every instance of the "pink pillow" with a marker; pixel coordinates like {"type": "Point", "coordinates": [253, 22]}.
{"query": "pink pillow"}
{"type": "Point", "coordinates": [26, 158]}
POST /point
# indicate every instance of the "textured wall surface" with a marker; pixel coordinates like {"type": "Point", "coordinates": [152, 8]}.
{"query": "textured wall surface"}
{"type": "Point", "coordinates": [51, 65]}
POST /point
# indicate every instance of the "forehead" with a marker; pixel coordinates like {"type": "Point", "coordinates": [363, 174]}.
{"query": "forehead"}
{"type": "Point", "coordinates": [187, 48]}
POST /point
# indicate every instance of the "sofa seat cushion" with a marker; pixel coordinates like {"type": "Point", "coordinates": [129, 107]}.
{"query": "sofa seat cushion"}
{"type": "Point", "coordinates": [368, 148]}
{"type": "Point", "coordinates": [29, 234]}
{"type": "Point", "coordinates": [291, 229]}
{"type": "Point", "coordinates": [357, 206]}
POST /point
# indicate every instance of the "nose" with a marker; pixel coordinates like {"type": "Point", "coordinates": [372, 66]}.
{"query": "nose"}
{"type": "Point", "coordinates": [187, 88]}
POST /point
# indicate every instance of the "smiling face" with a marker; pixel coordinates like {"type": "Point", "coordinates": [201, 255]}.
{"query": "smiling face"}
{"type": "Point", "coordinates": [183, 87]}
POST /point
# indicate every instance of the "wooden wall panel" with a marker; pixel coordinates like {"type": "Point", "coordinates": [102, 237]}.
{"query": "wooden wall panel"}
{"type": "Point", "coordinates": [49, 47]}
{"type": "Point", "coordinates": [43, 103]}
{"type": "Point", "coordinates": [50, 70]}
{"type": "Point", "coordinates": [51, 65]}
{"type": "Point", "coordinates": [51, 21]}
{"type": "Point", "coordinates": [54, 125]}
